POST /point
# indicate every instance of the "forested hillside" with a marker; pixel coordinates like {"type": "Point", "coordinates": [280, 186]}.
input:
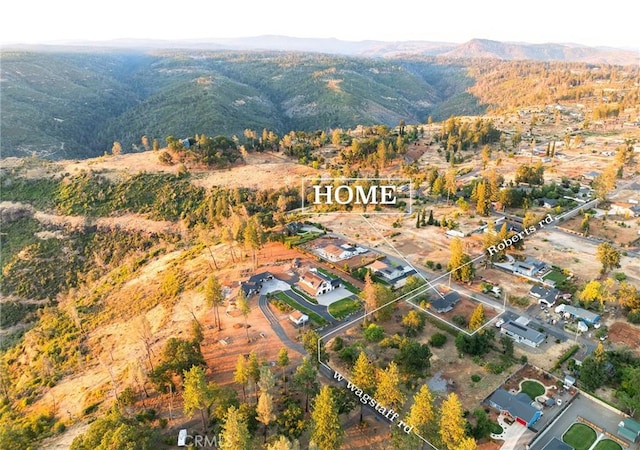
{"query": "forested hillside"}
{"type": "Point", "coordinates": [62, 104]}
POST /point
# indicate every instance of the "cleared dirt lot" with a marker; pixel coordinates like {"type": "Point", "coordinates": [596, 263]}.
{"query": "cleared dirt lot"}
{"type": "Point", "coordinates": [626, 334]}
{"type": "Point", "coordinates": [608, 229]}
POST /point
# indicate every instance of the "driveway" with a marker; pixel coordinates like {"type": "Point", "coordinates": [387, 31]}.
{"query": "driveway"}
{"type": "Point", "coordinates": [333, 296]}
{"type": "Point", "coordinates": [318, 309]}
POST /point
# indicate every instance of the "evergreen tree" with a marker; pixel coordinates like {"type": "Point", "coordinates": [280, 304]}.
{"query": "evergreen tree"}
{"type": "Point", "coordinates": [430, 221]}
{"type": "Point", "coordinates": [253, 370]}
{"type": "Point", "coordinates": [214, 297]}
{"type": "Point", "coordinates": [241, 374]}
{"type": "Point", "coordinates": [235, 433]}
{"type": "Point", "coordinates": [283, 361]}
{"type": "Point", "coordinates": [326, 431]}
{"type": "Point", "coordinates": [305, 378]}
{"type": "Point", "coordinates": [265, 411]}
{"type": "Point", "coordinates": [267, 381]}
{"type": "Point", "coordinates": [242, 304]}
{"type": "Point", "coordinates": [198, 395]}
{"type": "Point", "coordinates": [282, 443]}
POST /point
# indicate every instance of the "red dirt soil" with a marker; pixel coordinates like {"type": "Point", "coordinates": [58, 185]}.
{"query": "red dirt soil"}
{"type": "Point", "coordinates": [626, 334]}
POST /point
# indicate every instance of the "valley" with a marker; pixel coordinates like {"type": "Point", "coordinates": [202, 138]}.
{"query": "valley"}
{"type": "Point", "coordinates": [180, 282]}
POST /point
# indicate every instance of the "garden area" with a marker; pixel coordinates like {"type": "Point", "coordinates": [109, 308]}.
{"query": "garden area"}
{"type": "Point", "coordinates": [345, 307]}
{"type": "Point", "coordinates": [314, 317]}
{"type": "Point", "coordinates": [580, 436]}
{"type": "Point", "coordinates": [532, 388]}
{"type": "Point", "coordinates": [607, 444]}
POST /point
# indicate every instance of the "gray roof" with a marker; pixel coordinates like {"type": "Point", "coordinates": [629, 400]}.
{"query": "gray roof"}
{"type": "Point", "coordinates": [581, 313]}
{"type": "Point", "coordinates": [557, 444]}
{"type": "Point", "coordinates": [445, 303]}
{"type": "Point", "coordinates": [543, 293]}
{"type": "Point", "coordinates": [525, 332]}
{"type": "Point", "coordinates": [513, 405]}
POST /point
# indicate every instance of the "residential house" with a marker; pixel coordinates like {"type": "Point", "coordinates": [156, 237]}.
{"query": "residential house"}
{"type": "Point", "coordinates": [316, 283]}
{"type": "Point", "coordinates": [549, 203]}
{"type": "Point", "coordinates": [394, 274]}
{"type": "Point", "coordinates": [556, 444]}
{"type": "Point", "coordinates": [578, 313]}
{"type": "Point", "coordinates": [517, 406]}
{"type": "Point", "coordinates": [545, 296]}
{"type": "Point", "coordinates": [298, 318]}
{"type": "Point", "coordinates": [334, 253]}
{"type": "Point", "coordinates": [294, 228]}
{"type": "Point", "coordinates": [254, 284]}
{"type": "Point", "coordinates": [530, 267]}
{"type": "Point", "coordinates": [445, 303]}
{"type": "Point", "coordinates": [522, 333]}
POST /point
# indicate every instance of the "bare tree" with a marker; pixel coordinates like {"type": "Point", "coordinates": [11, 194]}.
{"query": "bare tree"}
{"type": "Point", "coordinates": [144, 333]}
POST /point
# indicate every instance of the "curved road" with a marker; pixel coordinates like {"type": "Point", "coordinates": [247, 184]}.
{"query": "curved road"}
{"type": "Point", "coordinates": [277, 328]}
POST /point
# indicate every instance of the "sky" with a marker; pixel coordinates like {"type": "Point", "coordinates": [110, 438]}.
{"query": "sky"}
{"type": "Point", "coordinates": [608, 23]}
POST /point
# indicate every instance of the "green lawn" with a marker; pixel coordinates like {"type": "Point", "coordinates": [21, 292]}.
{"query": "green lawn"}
{"type": "Point", "coordinates": [580, 436]}
{"type": "Point", "coordinates": [342, 308]}
{"type": "Point", "coordinates": [300, 239]}
{"type": "Point", "coordinates": [607, 444]}
{"type": "Point", "coordinates": [295, 305]}
{"type": "Point", "coordinates": [555, 275]}
{"type": "Point", "coordinates": [532, 389]}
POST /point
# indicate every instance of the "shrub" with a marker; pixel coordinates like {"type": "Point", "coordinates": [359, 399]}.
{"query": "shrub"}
{"type": "Point", "coordinates": [475, 378]}
{"type": "Point", "coordinates": [374, 333]}
{"type": "Point", "coordinates": [438, 340]}
{"type": "Point", "coordinates": [634, 316]}
{"type": "Point", "coordinates": [459, 320]}
{"type": "Point", "coordinates": [338, 343]}
{"type": "Point", "coordinates": [493, 367]}
{"type": "Point", "coordinates": [349, 354]}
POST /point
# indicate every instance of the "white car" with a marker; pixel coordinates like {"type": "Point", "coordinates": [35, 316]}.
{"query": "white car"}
{"type": "Point", "coordinates": [499, 323]}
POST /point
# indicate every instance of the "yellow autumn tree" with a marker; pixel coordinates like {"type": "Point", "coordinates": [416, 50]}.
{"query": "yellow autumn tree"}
{"type": "Point", "coordinates": [422, 414]}
{"type": "Point", "coordinates": [477, 318]}
{"type": "Point", "coordinates": [452, 422]}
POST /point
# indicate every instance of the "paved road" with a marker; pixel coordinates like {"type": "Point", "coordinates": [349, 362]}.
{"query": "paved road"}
{"type": "Point", "coordinates": [318, 309]}
{"type": "Point", "coordinates": [277, 328]}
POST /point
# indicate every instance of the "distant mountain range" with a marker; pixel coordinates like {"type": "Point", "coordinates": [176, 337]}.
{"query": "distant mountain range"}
{"type": "Point", "coordinates": [75, 100]}
{"type": "Point", "coordinates": [476, 48]}
{"type": "Point", "coordinates": [75, 104]}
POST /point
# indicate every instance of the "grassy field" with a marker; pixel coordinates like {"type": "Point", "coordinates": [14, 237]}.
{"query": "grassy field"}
{"type": "Point", "coordinates": [607, 444]}
{"type": "Point", "coordinates": [555, 275]}
{"type": "Point", "coordinates": [580, 436]}
{"type": "Point", "coordinates": [532, 389]}
{"type": "Point", "coordinates": [295, 305]}
{"type": "Point", "coordinates": [342, 308]}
